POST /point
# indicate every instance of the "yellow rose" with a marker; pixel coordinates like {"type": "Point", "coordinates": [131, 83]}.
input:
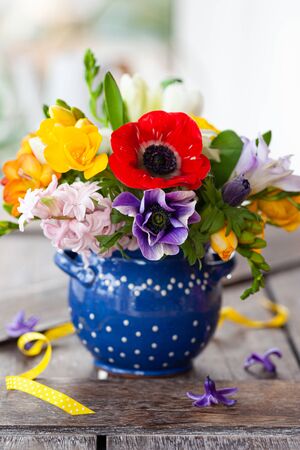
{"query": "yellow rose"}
{"type": "Point", "coordinates": [223, 245]}
{"type": "Point", "coordinates": [281, 213]}
{"type": "Point", "coordinates": [70, 144]}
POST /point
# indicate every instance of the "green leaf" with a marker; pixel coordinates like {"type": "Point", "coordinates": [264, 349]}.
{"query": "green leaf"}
{"type": "Point", "coordinates": [168, 81]}
{"type": "Point", "coordinates": [8, 208]}
{"type": "Point", "coordinates": [230, 146]}
{"type": "Point", "coordinates": [46, 111]}
{"type": "Point", "coordinates": [114, 101]}
{"type": "Point", "coordinates": [266, 137]}
{"type": "Point", "coordinates": [7, 227]}
{"type": "Point", "coordinates": [63, 104]}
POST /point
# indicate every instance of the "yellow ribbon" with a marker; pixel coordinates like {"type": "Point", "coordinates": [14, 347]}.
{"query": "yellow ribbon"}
{"type": "Point", "coordinates": [24, 382]}
{"type": "Point", "coordinates": [280, 318]}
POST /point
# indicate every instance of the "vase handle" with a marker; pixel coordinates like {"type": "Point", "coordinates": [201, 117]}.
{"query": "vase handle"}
{"type": "Point", "coordinates": [67, 261]}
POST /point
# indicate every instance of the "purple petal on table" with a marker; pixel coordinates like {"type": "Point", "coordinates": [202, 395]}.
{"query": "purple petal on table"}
{"type": "Point", "coordinates": [263, 359]}
{"type": "Point", "coordinates": [127, 204]}
{"type": "Point", "coordinates": [212, 396]}
{"type": "Point", "coordinates": [19, 325]}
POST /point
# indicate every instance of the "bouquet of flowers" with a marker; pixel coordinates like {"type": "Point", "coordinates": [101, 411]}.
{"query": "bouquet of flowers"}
{"type": "Point", "coordinates": [152, 175]}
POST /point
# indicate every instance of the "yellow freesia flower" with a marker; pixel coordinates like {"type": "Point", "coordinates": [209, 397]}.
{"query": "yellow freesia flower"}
{"type": "Point", "coordinates": [281, 212]}
{"type": "Point", "coordinates": [72, 146]}
{"type": "Point", "coordinates": [209, 132]}
{"type": "Point", "coordinates": [223, 245]}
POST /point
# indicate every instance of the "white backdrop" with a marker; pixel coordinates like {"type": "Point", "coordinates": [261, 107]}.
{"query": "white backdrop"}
{"type": "Point", "coordinates": [245, 57]}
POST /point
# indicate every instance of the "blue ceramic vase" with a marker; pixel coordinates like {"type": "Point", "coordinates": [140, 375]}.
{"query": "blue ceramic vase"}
{"type": "Point", "coordinates": [140, 317]}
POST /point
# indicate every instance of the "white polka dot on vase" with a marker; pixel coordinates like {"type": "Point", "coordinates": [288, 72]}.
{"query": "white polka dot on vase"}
{"type": "Point", "coordinates": [111, 360]}
{"type": "Point", "coordinates": [123, 279]}
{"type": "Point", "coordinates": [203, 287]}
{"type": "Point", "coordinates": [187, 353]}
{"type": "Point", "coordinates": [117, 283]}
{"type": "Point", "coordinates": [125, 323]}
{"type": "Point", "coordinates": [187, 291]}
{"type": "Point", "coordinates": [163, 292]}
{"type": "Point", "coordinates": [101, 276]}
{"type": "Point", "coordinates": [191, 284]}
{"type": "Point", "coordinates": [110, 349]}
{"type": "Point", "coordinates": [157, 287]}
{"type": "Point", "coordinates": [136, 293]}
{"type": "Point", "coordinates": [108, 329]}
{"type": "Point", "coordinates": [144, 286]}
{"type": "Point", "coordinates": [80, 326]}
{"type": "Point", "coordinates": [193, 340]}
{"type": "Point", "coordinates": [170, 287]}
{"type": "Point", "coordinates": [92, 316]}
{"type": "Point", "coordinates": [94, 334]}
{"type": "Point", "coordinates": [107, 282]}
{"type": "Point", "coordinates": [70, 309]}
{"type": "Point", "coordinates": [165, 364]}
{"type": "Point", "coordinates": [149, 281]}
{"type": "Point", "coordinates": [123, 355]}
{"type": "Point", "coordinates": [195, 323]}
{"type": "Point", "coordinates": [96, 349]}
{"type": "Point", "coordinates": [198, 281]}
{"type": "Point", "coordinates": [130, 286]}
{"type": "Point", "coordinates": [136, 366]}
{"type": "Point", "coordinates": [206, 274]}
{"type": "Point", "coordinates": [171, 354]}
{"type": "Point", "coordinates": [193, 276]}
{"type": "Point", "coordinates": [173, 280]}
{"type": "Point", "coordinates": [154, 345]}
{"type": "Point", "coordinates": [124, 339]}
{"type": "Point", "coordinates": [138, 334]}
{"type": "Point", "coordinates": [151, 358]}
{"type": "Point", "coordinates": [174, 337]}
{"type": "Point", "coordinates": [110, 289]}
{"type": "Point", "coordinates": [137, 351]}
{"type": "Point", "coordinates": [205, 282]}
{"type": "Point", "coordinates": [180, 285]}
{"type": "Point", "coordinates": [84, 341]}
{"type": "Point", "coordinates": [155, 328]}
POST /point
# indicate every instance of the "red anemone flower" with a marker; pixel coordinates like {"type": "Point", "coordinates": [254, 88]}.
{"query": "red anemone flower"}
{"type": "Point", "coordinates": [160, 150]}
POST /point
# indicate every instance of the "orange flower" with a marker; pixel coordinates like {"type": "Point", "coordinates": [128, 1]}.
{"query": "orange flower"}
{"type": "Point", "coordinates": [223, 245]}
{"type": "Point", "coordinates": [281, 213]}
{"type": "Point", "coordinates": [21, 174]}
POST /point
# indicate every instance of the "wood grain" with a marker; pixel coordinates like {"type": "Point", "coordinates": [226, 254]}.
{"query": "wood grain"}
{"type": "Point", "coordinates": [47, 442]}
{"type": "Point", "coordinates": [156, 406]}
{"type": "Point", "coordinates": [204, 442]}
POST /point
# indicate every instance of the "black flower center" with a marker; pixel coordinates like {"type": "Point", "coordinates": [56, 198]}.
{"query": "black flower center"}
{"type": "Point", "coordinates": [159, 160]}
{"type": "Point", "coordinates": [159, 219]}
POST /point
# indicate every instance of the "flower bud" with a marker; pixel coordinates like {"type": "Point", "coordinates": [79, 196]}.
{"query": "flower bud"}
{"type": "Point", "coordinates": [235, 191]}
{"type": "Point", "coordinates": [223, 245]}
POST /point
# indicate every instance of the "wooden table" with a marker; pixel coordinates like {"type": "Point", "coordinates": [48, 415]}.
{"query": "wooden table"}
{"type": "Point", "coordinates": [153, 413]}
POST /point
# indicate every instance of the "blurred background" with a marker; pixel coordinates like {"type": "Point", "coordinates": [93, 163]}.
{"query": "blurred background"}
{"type": "Point", "coordinates": [242, 55]}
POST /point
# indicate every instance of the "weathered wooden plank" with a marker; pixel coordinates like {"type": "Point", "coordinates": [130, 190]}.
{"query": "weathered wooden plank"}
{"type": "Point", "coordinates": [155, 406]}
{"type": "Point", "coordinates": [204, 442]}
{"type": "Point", "coordinates": [286, 288]}
{"type": "Point", "coordinates": [225, 355]}
{"type": "Point", "coordinates": [47, 442]}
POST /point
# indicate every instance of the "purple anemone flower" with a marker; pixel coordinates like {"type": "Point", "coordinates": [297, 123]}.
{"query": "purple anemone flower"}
{"type": "Point", "coordinates": [212, 395]}
{"type": "Point", "coordinates": [19, 325]}
{"type": "Point", "coordinates": [264, 359]}
{"type": "Point", "coordinates": [235, 191]}
{"type": "Point", "coordinates": [161, 219]}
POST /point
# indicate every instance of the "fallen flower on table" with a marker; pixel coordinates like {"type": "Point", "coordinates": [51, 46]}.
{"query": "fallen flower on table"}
{"type": "Point", "coordinates": [212, 396]}
{"type": "Point", "coordinates": [264, 359]}
{"type": "Point", "coordinates": [19, 325]}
